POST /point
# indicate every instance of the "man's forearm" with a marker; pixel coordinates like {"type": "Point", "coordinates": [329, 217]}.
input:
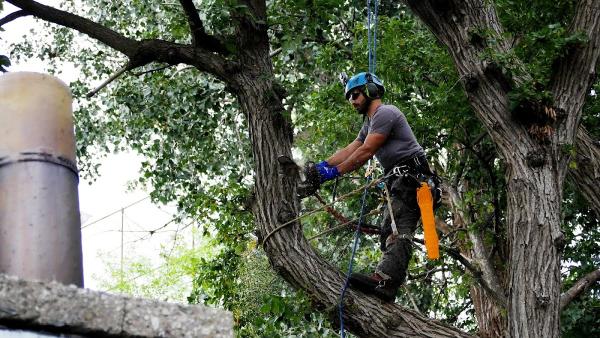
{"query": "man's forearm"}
{"type": "Point", "coordinates": [339, 157]}
{"type": "Point", "coordinates": [343, 154]}
{"type": "Point", "coordinates": [356, 160]}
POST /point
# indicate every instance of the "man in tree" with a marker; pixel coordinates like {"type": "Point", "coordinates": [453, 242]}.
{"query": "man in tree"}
{"type": "Point", "coordinates": [500, 50]}
{"type": "Point", "coordinates": [387, 135]}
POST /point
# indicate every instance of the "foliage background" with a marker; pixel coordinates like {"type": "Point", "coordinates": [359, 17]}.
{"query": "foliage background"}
{"type": "Point", "coordinates": [196, 144]}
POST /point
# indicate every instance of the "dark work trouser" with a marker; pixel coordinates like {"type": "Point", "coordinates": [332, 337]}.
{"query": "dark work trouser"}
{"type": "Point", "coordinates": [397, 251]}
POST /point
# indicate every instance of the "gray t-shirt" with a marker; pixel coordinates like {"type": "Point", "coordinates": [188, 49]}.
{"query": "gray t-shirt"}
{"type": "Point", "coordinates": [400, 144]}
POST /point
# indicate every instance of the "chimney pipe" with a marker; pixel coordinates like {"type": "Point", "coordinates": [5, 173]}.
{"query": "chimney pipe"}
{"type": "Point", "coordinates": [40, 227]}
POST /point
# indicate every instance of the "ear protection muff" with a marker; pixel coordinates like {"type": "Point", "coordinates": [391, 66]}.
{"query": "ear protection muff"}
{"type": "Point", "coordinates": [371, 89]}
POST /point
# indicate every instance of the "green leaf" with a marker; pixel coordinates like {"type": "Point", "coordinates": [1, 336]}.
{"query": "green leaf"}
{"type": "Point", "coordinates": [4, 62]}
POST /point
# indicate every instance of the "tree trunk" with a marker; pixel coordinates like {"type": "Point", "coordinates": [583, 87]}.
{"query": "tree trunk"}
{"type": "Point", "coordinates": [535, 169]}
{"type": "Point", "coordinates": [275, 203]}
{"type": "Point", "coordinates": [491, 322]}
{"type": "Point", "coordinates": [586, 174]}
{"type": "Point", "coordinates": [535, 174]}
{"type": "Point", "coordinates": [489, 312]}
{"type": "Point", "coordinates": [289, 252]}
{"type": "Point", "coordinates": [534, 198]}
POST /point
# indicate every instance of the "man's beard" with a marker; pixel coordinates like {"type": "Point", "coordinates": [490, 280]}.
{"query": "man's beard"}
{"type": "Point", "coordinates": [364, 108]}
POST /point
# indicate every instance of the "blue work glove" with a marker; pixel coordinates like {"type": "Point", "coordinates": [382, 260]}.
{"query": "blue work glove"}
{"type": "Point", "coordinates": [327, 173]}
{"type": "Point", "coordinates": [321, 164]}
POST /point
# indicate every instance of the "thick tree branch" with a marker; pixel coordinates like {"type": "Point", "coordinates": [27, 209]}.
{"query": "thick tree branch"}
{"type": "Point", "coordinates": [113, 77]}
{"type": "Point", "coordinates": [586, 174]}
{"type": "Point", "coordinates": [578, 288]}
{"type": "Point", "coordinates": [138, 52]}
{"type": "Point", "coordinates": [480, 266]}
{"type": "Point", "coordinates": [12, 16]}
{"type": "Point", "coordinates": [199, 35]}
{"type": "Point", "coordinates": [152, 70]}
{"type": "Point", "coordinates": [454, 23]}
{"type": "Point", "coordinates": [105, 35]}
{"type": "Point", "coordinates": [576, 72]}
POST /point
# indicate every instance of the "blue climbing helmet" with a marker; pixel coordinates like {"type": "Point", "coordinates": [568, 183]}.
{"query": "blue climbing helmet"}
{"type": "Point", "coordinates": [372, 87]}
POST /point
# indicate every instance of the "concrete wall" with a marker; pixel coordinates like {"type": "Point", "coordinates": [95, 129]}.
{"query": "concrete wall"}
{"type": "Point", "coordinates": [59, 309]}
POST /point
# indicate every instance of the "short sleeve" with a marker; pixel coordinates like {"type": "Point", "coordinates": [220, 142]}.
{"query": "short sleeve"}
{"type": "Point", "coordinates": [362, 135]}
{"type": "Point", "coordinates": [383, 122]}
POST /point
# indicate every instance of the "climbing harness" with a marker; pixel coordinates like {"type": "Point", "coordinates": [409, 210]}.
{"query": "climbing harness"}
{"type": "Point", "coordinates": [428, 198]}
{"type": "Point", "coordinates": [408, 170]}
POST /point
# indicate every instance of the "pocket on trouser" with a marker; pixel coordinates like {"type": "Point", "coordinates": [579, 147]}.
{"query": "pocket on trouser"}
{"type": "Point", "coordinates": [406, 213]}
{"type": "Point", "coordinates": [404, 189]}
{"type": "Point", "coordinates": [395, 259]}
{"type": "Point", "coordinates": [406, 221]}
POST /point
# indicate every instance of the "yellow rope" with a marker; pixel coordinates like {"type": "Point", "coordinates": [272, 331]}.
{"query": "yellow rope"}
{"type": "Point", "coordinates": [343, 225]}
{"type": "Point", "coordinates": [341, 198]}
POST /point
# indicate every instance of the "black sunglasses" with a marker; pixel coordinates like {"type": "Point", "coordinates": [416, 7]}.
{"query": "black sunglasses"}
{"type": "Point", "coordinates": [355, 95]}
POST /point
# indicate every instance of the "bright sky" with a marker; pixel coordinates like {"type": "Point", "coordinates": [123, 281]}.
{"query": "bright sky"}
{"type": "Point", "coordinates": [101, 233]}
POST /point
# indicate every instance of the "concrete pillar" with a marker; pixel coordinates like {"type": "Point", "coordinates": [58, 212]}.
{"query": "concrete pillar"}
{"type": "Point", "coordinates": [40, 235]}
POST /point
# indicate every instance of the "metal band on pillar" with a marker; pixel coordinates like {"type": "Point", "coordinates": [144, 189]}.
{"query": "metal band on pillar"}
{"type": "Point", "coordinates": [40, 235]}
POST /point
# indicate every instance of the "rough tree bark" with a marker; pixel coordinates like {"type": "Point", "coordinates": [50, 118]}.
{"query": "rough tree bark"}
{"type": "Point", "coordinates": [488, 302]}
{"type": "Point", "coordinates": [536, 170]}
{"type": "Point", "coordinates": [534, 283]}
{"type": "Point", "coordinates": [489, 308]}
{"type": "Point", "coordinates": [249, 76]}
{"type": "Point", "coordinates": [275, 203]}
{"type": "Point", "coordinates": [586, 174]}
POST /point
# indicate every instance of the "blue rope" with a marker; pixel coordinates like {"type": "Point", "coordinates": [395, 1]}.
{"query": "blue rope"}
{"type": "Point", "coordinates": [375, 38]}
{"type": "Point", "coordinates": [372, 15]}
{"type": "Point", "coordinates": [372, 44]}
{"type": "Point", "coordinates": [354, 248]}
{"type": "Point", "coordinates": [370, 55]}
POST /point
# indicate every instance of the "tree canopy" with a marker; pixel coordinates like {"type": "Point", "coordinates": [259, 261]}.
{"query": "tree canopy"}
{"type": "Point", "coordinates": [501, 94]}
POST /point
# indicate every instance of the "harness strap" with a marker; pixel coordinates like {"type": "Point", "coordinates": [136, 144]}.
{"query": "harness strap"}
{"type": "Point", "coordinates": [414, 163]}
{"type": "Point", "coordinates": [389, 204]}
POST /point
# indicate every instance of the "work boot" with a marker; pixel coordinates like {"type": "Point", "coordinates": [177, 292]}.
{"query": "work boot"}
{"type": "Point", "coordinates": [374, 285]}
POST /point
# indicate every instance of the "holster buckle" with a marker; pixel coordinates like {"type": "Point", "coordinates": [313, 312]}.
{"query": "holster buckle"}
{"type": "Point", "coordinates": [401, 170]}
